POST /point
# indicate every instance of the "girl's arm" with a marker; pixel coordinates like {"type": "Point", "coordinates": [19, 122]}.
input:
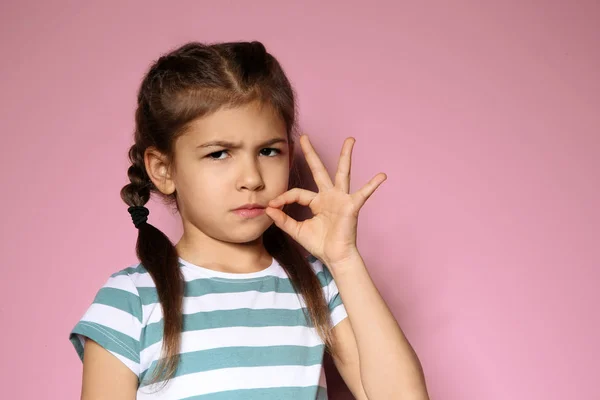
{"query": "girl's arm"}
{"type": "Point", "coordinates": [375, 359]}
{"type": "Point", "coordinates": [105, 377]}
{"type": "Point", "coordinates": [372, 345]}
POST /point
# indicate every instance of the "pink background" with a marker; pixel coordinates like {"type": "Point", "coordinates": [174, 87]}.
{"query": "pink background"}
{"type": "Point", "coordinates": [486, 118]}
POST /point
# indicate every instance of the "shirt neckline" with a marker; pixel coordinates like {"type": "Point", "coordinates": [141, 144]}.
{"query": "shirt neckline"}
{"type": "Point", "coordinates": [231, 275]}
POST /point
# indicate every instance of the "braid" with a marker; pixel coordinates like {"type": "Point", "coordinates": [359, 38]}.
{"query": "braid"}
{"type": "Point", "coordinates": [159, 257]}
{"type": "Point", "coordinates": [137, 192]}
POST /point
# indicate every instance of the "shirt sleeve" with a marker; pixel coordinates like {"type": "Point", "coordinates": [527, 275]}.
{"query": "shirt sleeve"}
{"type": "Point", "coordinates": [337, 310]}
{"type": "Point", "coordinates": [114, 321]}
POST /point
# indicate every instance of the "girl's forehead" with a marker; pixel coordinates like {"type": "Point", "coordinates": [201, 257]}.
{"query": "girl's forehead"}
{"type": "Point", "coordinates": [245, 124]}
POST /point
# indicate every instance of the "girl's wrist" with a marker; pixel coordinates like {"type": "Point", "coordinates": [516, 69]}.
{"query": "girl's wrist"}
{"type": "Point", "coordinates": [351, 262]}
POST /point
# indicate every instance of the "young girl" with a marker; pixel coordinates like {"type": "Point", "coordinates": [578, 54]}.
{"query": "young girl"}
{"type": "Point", "coordinates": [236, 310]}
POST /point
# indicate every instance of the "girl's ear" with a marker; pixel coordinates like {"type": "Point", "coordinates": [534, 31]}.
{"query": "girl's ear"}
{"type": "Point", "coordinates": [159, 170]}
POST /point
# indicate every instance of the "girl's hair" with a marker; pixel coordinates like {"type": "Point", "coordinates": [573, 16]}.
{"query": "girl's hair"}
{"type": "Point", "coordinates": [190, 82]}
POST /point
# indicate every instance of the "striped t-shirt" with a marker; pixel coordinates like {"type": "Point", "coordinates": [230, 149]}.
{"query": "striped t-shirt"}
{"type": "Point", "coordinates": [245, 336]}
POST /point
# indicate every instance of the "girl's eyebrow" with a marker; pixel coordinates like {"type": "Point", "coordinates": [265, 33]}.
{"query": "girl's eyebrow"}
{"type": "Point", "coordinates": [231, 145]}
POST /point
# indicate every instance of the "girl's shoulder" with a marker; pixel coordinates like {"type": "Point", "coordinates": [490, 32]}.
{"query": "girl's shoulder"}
{"type": "Point", "coordinates": [127, 286]}
{"type": "Point", "coordinates": [330, 289]}
{"type": "Point", "coordinates": [115, 318]}
{"type": "Point", "coordinates": [320, 269]}
{"type": "Point", "coordinates": [136, 274]}
{"type": "Point", "coordinates": [315, 263]}
{"type": "Point", "coordinates": [132, 269]}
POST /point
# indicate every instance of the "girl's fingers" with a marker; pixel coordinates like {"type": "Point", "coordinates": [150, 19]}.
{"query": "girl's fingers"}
{"type": "Point", "coordinates": [296, 195]}
{"type": "Point", "coordinates": [320, 174]}
{"type": "Point", "coordinates": [283, 221]}
{"type": "Point", "coordinates": [366, 191]}
{"type": "Point", "coordinates": [342, 176]}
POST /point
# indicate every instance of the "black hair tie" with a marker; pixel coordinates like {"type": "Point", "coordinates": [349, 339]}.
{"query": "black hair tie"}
{"type": "Point", "coordinates": [139, 215]}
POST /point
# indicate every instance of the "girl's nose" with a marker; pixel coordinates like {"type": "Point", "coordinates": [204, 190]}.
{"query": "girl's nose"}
{"type": "Point", "coordinates": [250, 177]}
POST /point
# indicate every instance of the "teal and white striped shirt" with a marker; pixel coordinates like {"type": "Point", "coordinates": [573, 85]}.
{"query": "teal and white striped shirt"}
{"type": "Point", "coordinates": [245, 336]}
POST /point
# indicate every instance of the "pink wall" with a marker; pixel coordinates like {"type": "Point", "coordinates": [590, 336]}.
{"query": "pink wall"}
{"type": "Point", "coordinates": [486, 118]}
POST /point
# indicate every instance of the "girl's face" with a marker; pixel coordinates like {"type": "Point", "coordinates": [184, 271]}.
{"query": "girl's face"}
{"type": "Point", "coordinates": [226, 160]}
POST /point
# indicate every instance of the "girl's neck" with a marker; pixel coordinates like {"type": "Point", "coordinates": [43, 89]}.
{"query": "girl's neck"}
{"type": "Point", "coordinates": [223, 256]}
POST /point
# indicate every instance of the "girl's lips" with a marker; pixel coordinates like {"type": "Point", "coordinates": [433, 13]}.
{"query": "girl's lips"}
{"type": "Point", "coordinates": [249, 212]}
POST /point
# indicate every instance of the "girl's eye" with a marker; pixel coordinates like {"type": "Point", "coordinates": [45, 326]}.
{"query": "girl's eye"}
{"type": "Point", "coordinates": [270, 150]}
{"type": "Point", "coordinates": [217, 155]}
{"type": "Point", "coordinates": [221, 155]}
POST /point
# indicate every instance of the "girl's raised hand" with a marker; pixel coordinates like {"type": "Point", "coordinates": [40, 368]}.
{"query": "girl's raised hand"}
{"type": "Point", "coordinates": [330, 234]}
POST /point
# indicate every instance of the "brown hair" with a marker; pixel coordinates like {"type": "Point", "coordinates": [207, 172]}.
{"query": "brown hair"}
{"type": "Point", "coordinates": [189, 82]}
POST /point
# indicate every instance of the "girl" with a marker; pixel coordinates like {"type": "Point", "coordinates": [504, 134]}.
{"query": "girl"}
{"type": "Point", "coordinates": [235, 310]}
